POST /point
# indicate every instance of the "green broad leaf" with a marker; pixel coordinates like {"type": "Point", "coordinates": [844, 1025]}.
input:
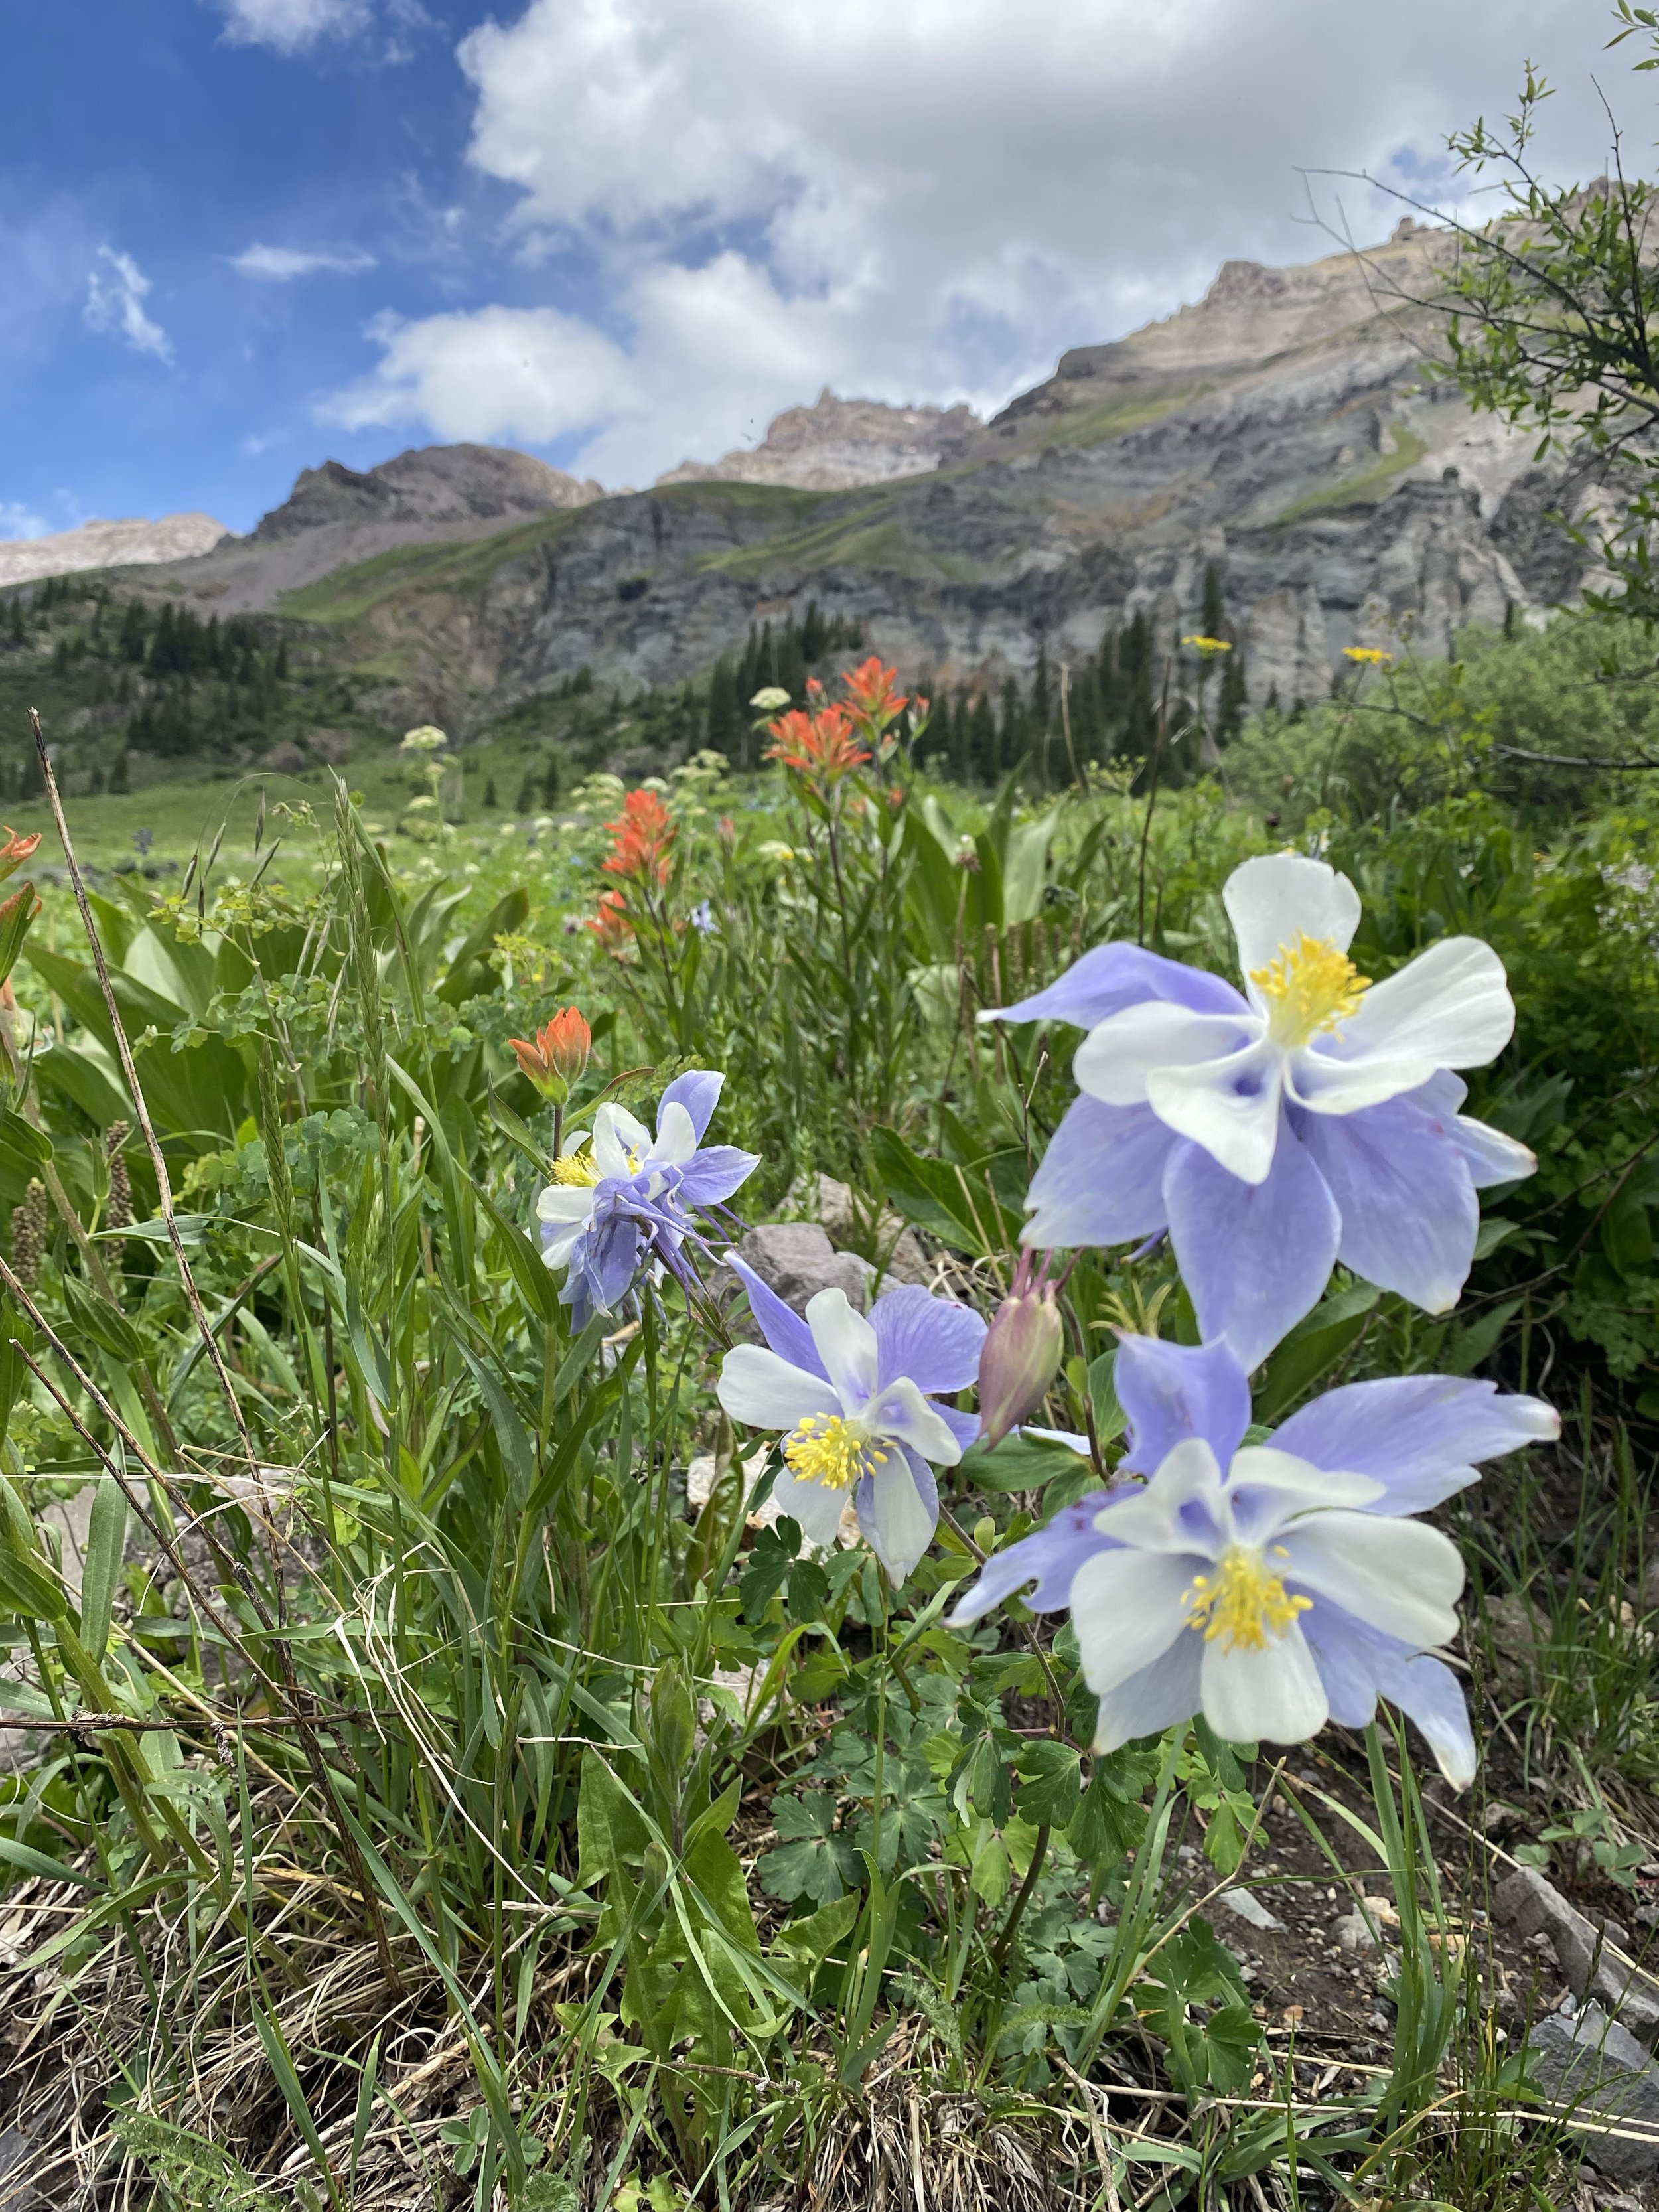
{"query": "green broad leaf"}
{"type": "Point", "coordinates": [1468, 1348]}
{"type": "Point", "coordinates": [106, 1324]}
{"type": "Point", "coordinates": [1110, 1420]}
{"type": "Point", "coordinates": [530, 1274]}
{"type": "Point", "coordinates": [107, 1537]}
{"type": "Point", "coordinates": [28, 1861]}
{"type": "Point", "coordinates": [811, 1860]}
{"type": "Point", "coordinates": [955, 1204]}
{"type": "Point", "coordinates": [610, 1830]}
{"type": "Point", "coordinates": [1020, 1463]}
{"type": "Point", "coordinates": [22, 1138]}
{"type": "Point", "coordinates": [1312, 1346]}
{"type": "Point", "coordinates": [774, 1552]}
{"type": "Point", "coordinates": [1626, 1234]}
{"type": "Point", "coordinates": [1050, 1784]}
{"type": "Point", "coordinates": [808, 1942]}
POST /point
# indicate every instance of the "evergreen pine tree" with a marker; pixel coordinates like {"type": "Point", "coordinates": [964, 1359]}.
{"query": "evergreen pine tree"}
{"type": "Point", "coordinates": [1139, 707]}
{"type": "Point", "coordinates": [280, 671]}
{"type": "Point", "coordinates": [1214, 620]}
{"type": "Point", "coordinates": [18, 632]}
{"type": "Point", "coordinates": [525, 801]}
{"type": "Point", "coordinates": [1043, 710]}
{"type": "Point", "coordinates": [489, 798]}
{"type": "Point", "coordinates": [983, 751]}
{"type": "Point", "coordinates": [725, 709]}
{"type": "Point", "coordinates": [133, 632]}
{"type": "Point", "coordinates": [1231, 700]}
{"type": "Point", "coordinates": [1015, 731]}
{"type": "Point", "coordinates": [550, 782]}
{"type": "Point", "coordinates": [814, 637]}
{"type": "Point", "coordinates": [119, 781]}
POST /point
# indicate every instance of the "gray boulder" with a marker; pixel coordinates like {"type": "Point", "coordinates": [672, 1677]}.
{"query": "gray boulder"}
{"type": "Point", "coordinates": [797, 1259]}
{"type": "Point", "coordinates": [1587, 2063]}
{"type": "Point", "coordinates": [902, 1252]}
{"type": "Point", "coordinates": [1593, 1963]}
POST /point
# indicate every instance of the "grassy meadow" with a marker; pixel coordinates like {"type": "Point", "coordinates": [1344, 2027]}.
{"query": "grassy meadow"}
{"type": "Point", "coordinates": [439, 1779]}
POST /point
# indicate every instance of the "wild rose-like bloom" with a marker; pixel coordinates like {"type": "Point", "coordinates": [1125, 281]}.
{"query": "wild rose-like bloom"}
{"type": "Point", "coordinates": [821, 748]}
{"type": "Point", "coordinates": [853, 1396]}
{"type": "Point", "coordinates": [611, 925]}
{"type": "Point", "coordinates": [554, 1058]}
{"type": "Point", "coordinates": [1270, 1587]}
{"type": "Point", "coordinates": [16, 850]}
{"type": "Point", "coordinates": [1311, 1119]}
{"type": "Point", "coordinates": [645, 834]}
{"type": "Point", "coordinates": [620, 1198]}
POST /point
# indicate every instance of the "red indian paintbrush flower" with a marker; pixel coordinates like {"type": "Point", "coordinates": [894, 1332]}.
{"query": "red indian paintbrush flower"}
{"type": "Point", "coordinates": [556, 1055]}
{"type": "Point", "coordinates": [16, 850]}
{"type": "Point", "coordinates": [820, 747]}
{"type": "Point", "coordinates": [644, 837]}
{"type": "Point", "coordinates": [612, 925]}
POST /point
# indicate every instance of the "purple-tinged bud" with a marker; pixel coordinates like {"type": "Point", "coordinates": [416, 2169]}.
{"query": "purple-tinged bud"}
{"type": "Point", "coordinates": [1020, 1358]}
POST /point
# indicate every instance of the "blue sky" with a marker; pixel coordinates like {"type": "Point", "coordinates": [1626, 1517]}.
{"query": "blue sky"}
{"type": "Point", "coordinates": [237, 236]}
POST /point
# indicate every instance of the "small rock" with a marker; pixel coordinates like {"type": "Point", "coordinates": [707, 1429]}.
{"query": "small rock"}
{"type": "Point", "coordinates": [832, 1202]}
{"type": "Point", "coordinates": [1353, 1933]}
{"type": "Point", "coordinates": [1591, 1963]}
{"type": "Point", "coordinates": [797, 1259]}
{"type": "Point", "coordinates": [1248, 1906]}
{"type": "Point", "coordinates": [1502, 1819]}
{"type": "Point", "coordinates": [1590, 2064]}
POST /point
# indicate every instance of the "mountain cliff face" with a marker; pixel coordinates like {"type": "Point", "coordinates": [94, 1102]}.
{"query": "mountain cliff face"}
{"type": "Point", "coordinates": [108, 545]}
{"type": "Point", "coordinates": [1284, 429]}
{"type": "Point", "coordinates": [836, 443]}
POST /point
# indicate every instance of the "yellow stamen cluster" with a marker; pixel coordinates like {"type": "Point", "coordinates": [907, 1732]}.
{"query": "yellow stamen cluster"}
{"type": "Point", "coordinates": [575, 1168]}
{"type": "Point", "coordinates": [1244, 1601]}
{"type": "Point", "coordinates": [823, 1447]}
{"type": "Point", "coordinates": [1309, 988]}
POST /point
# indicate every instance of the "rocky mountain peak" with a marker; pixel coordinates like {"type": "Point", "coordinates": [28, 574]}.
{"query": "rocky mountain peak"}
{"type": "Point", "coordinates": [836, 444]}
{"type": "Point", "coordinates": [108, 545]}
{"type": "Point", "coordinates": [432, 484]}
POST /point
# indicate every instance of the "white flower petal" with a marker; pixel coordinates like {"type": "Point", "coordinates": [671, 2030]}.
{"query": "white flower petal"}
{"type": "Point", "coordinates": [1156, 1518]}
{"type": "Point", "coordinates": [574, 1142]}
{"type": "Point", "coordinates": [899, 1526]}
{"type": "Point", "coordinates": [756, 1387]}
{"type": "Point", "coordinates": [1127, 1609]}
{"type": "Point", "coordinates": [1273, 899]}
{"type": "Point", "coordinates": [618, 1140]}
{"type": "Point", "coordinates": [1115, 1059]}
{"type": "Point", "coordinates": [1493, 1157]}
{"type": "Point", "coordinates": [1290, 1486]}
{"type": "Point", "coordinates": [814, 1507]}
{"type": "Point", "coordinates": [1156, 1699]}
{"type": "Point", "coordinates": [1325, 1084]}
{"type": "Point", "coordinates": [556, 1252]}
{"type": "Point", "coordinates": [563, 1201]}
{"type": "Point", "coordinates": [1271, 1692]}
{"type": "Point", "coordinates": [901, 1411]}
{"type": "Point", "coordinates": [677, 1136]}
{"type": "Point", "coordinates": [1450, 1007]}
{"type": "Point", "coordinates": [846, 1345]}
{"type": "Point", "coordinates": [1398, 1576]}
{"type": "Point", "coordinates": [1230, 1107]}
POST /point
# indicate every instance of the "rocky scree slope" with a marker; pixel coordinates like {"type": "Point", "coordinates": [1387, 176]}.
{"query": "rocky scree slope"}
{"type": "Point", "coordinates": [108, 545]}
{"type": "Point", "coordinates": [1285, 428]}
{"type": "Point", "coordinates": [837, 443]}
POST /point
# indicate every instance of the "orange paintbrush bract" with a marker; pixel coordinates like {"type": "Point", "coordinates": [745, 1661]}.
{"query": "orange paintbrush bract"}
{"type": "Point", "coordinates": [644, 836]}
{"type": "Point", "coordinates": [820, 747]}
{"type": "Point", "coordinates": [612, 925]}
{"type": "Point", "coordinates": [16, 850]}
{"type": "Point", "coordinates": [556, 1056]}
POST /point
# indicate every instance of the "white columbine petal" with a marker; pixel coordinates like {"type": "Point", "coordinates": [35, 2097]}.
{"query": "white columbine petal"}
{"type": "Point", "coordinates": [1272, 901]}
{"type": "Point", "coordinates": [846, 1343]}
{"type": "Point", "coordinates": [1450, 1007]}
{"type": "Point", "coordinates": [565, 1202]}
{"type": "Point", "coordinates": [813, 1506]}
{"type": "Point", "coordinates": [1155, 1519]}
{"type": "Point", "coordinates": [1127, 1609]}
{"type": "Point", "coordinates": [1115, 1061]}
{"type": "Point", "coordinates": [900, 1410]}
{"type": "Point", "coordinates": [1229, 1106]}
{"type": "Point", "coordinates": [899, 1526]}
{"type": "Point", "coordinates": [677, 1136]}
{"type": "Point", "coordinates": [1270, 1691]}
{"type": "Point", "coordinates": [619, 1142]}
{"type": "Point", "coordinates": [1399, 1577]}
{"type": "Point", "coordinates": [757, 1387]}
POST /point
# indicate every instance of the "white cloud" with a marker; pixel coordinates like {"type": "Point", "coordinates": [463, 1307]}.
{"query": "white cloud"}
{"type": "Point", "coordinates": [115, 301]}
{"type": "Point", "coordinates": [291, 26]}
{"type": "Point", "coordinates": [280, 264]}
{"type": "Point", "coordinates": [915, 198]}
{"type": "Point", "coordinates": [17, 520]}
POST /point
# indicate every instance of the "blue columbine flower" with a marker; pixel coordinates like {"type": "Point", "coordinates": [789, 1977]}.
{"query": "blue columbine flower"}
{"type": "Point", "coordinates": [1272, 1587]}
{"type": "Point", "coordinates": [1310, 1119]}
{"type": "Point", "coordinates": [854, 1396]}
{"type": "Point", "coordinates": [620, 1198]}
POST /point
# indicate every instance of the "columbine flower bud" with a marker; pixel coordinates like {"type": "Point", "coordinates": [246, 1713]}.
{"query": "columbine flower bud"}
{"type": "Point", "coordinates": [1021, 1354]}
{"type": "Point", "coordinates": [557, 1054]}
